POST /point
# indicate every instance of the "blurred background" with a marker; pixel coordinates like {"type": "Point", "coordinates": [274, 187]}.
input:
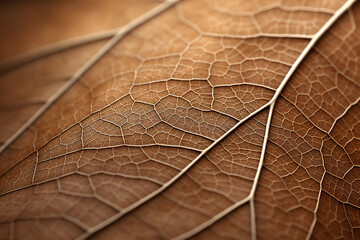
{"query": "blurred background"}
{"type": "Point", "coordinates": [29, 24]}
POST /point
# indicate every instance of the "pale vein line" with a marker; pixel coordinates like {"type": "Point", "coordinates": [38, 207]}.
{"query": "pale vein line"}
{"type": "Point", "coordinates": [258, 35]}
{"type": "Point", "coordinates": [89, 38]}
{"type": "Point", "coordinates": [238, 36]}
{"type": "Point", "coordinates": [323, 176]}
{"type": "Point", "coordinates": [250, 197]}
{"type": "Point", "coordinates": [167, 184]}
{"type": "Point", "coordinates": [257, 176]}
{"type": "Point", "coordinates": [109, 45]}
{"type": "Point", "coordinates": [55, 47]}
{"type": "Point", "coordinates": [276, 6]}
{"type": "Point", "coordinates": [343, 114]}
{"type": "Point", "coordinates": [272, 102]}
{"type": "Point", "coordinates": [316, 207]}
{"type": "Point", "coordinates": [97, 36]}
{"type": "Point", "coordinates": [210, 222]}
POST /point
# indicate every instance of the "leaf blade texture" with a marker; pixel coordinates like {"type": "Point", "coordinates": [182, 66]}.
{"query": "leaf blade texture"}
{"type": "Point", "coordinates": [242, 124]}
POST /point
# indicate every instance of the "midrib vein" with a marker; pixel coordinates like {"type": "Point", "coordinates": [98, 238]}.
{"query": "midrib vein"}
{"type": "Point", "coordinates": [119, 34]}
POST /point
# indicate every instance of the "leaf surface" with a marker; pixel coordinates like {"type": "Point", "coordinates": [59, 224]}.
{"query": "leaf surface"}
{"type": "Point", "coordinates": [201, 120]}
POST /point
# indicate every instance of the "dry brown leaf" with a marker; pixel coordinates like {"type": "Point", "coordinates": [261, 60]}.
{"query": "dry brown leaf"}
{"type": "Point", "coordinates": [200, 119]}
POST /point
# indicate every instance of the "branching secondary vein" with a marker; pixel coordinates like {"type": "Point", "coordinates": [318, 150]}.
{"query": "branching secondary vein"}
{"type": "Point", "coordinates": [108, 46]}
{"type": "Point", "coordinates": [272, 102]}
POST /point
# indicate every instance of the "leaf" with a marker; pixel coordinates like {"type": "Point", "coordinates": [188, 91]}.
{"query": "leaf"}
{"type": "Point", "coordinates": [201, 120]}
